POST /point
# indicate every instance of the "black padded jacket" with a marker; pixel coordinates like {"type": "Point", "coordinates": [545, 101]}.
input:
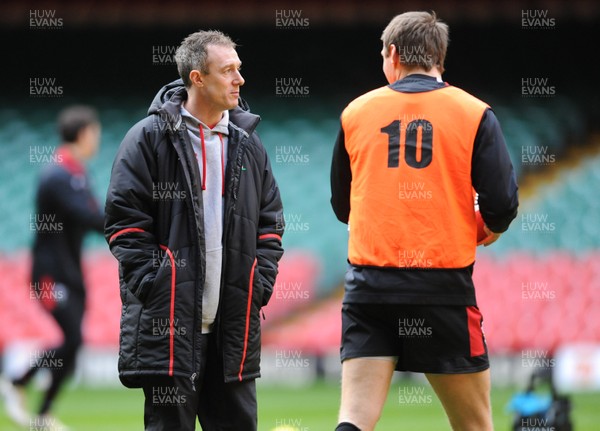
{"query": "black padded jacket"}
{"type": "Point", "coordinates": [158, 239]}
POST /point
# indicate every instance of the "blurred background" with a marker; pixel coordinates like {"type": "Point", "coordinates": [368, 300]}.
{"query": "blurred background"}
{"type": "Point", "coordinates": [538, 287]}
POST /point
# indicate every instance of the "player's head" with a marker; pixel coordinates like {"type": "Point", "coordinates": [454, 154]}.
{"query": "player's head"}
{"type": "Point", "coordinates": [193, 54]}
{"type": "Point", "coordinates": [78, 125]}
{"type": "Point", "coordinates": [418, 39]}
{"type": "Point", "coordinates": [208, 63]}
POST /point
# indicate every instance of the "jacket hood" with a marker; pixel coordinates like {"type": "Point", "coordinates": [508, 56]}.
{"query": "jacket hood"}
{"type": "Point", "coordinates": [170, 97]}
{"type": "Point", "coordinates": [165, 94]}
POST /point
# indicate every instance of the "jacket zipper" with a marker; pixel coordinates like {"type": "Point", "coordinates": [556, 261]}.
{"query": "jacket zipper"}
{"type": "Point", "coordinates": [184, 161]}
{"type": "Point", "coordinates": [193, 379]}
{"type": "Point", "coordinates": [226, 220]}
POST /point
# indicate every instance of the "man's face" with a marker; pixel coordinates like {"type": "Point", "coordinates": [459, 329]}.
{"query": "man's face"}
{"type": "Point", "coordinates": [222, 84]}
{"type": "Point", "coordinates": [89, 140]}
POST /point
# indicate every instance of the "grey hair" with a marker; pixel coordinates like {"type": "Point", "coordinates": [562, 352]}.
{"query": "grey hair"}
{"type": "Point", "coordinates": [192, 54]}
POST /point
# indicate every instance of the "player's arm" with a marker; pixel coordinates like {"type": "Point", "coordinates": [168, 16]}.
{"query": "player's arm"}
{"type": "Point", "coordinates": [270, 229]}
{"type": "Point", "coordinates": [75, 200]}
{"type": "Point", "coordinates": [493, 177]}
{"type": "Point", "coordinates": [341, 179]}
{"type": "Point", "coordinates": [129, 221]}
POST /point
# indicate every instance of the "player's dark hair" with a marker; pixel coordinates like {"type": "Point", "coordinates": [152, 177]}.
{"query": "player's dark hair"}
{"type": "Point", "coordinates": [192, 54]}
{"type": "Point", "coordinates": [73, 119]}
{"type": "Point", "coordinates": [420, 39]}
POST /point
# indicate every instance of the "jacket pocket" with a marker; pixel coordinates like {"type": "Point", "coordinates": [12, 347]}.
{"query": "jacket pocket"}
{"type": "Point", "coordinates": [145, 287]}
{"type": "Point", "coordinates": [128, 339]}
{"type": "Point", "coordinates": [158, 322]}
{"type": "Point", "coordinates": [250, 316]}
{"type": "Point", "coordinates": [140, 290]}
{"type": "Point", "coordinates": [259, 287]}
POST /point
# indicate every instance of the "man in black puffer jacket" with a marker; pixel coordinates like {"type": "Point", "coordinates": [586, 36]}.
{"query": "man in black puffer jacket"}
{"type": "Point", "coordinates": [194, 217]}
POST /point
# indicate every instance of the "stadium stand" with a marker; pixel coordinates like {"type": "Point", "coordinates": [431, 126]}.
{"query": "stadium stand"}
{"type": "Point", "coordinates": [549, 253]}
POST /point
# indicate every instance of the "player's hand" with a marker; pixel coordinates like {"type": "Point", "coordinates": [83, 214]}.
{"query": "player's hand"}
{"type": "Point", "coordinates": [492, 237]}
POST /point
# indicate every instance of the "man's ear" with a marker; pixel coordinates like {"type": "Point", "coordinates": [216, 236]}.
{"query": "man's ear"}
{"type": "Point", "coordinates": [393, 52]}
{"type": "Point", "coordinates": [196, 78]}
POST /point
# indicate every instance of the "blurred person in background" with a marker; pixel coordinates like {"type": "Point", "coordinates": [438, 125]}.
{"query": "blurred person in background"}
{"type": "Point", "coordinates": [65, 211]}
{"type": "Point", "coordinates": [405, 164]}
{"type": "Point", "coordinates": [194, 217]}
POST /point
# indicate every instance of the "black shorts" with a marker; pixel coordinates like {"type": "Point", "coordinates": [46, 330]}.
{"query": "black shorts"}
{"type": "Point", "coordinates": [425, 338]}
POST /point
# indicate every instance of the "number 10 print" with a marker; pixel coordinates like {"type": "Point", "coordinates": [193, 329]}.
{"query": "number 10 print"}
{"type": "Point", "coordinates": [412, 147]}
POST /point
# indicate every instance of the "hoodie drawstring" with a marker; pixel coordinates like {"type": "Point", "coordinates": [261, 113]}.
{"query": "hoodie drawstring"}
{"type": "Point", "coordinates": [203, 146]}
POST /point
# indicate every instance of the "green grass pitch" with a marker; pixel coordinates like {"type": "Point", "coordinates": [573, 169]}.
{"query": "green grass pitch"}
{"type": "Point", "coordinates": [311, 408]}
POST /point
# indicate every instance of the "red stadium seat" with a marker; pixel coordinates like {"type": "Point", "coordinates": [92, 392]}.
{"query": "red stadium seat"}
{"type": "Point", "coordinates": [295, 287]}
{"type": "Point", "coordinates": [296, 321]}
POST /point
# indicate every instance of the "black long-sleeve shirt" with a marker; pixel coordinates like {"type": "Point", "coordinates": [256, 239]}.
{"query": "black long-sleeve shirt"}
{"type": "Point", "coordinates": [65, 210]}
